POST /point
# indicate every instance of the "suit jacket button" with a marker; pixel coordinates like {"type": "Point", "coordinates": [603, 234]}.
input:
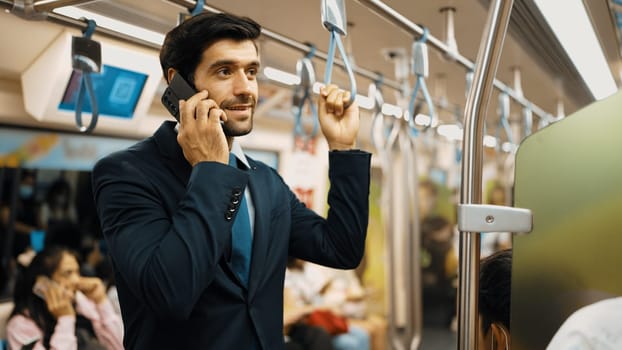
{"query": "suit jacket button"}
{"type": "Point", "coordinates": [228, 216]}
{"type": "Point", "coordinates": [235, 201]}
{"type": "Point", "coordinates": [232, 209]}
{"type": "Point", "coordinates": [236, 192]}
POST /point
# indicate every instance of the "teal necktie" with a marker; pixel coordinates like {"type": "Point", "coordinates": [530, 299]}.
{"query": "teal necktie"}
{"type": "Point", "coordinates": [241, 237]}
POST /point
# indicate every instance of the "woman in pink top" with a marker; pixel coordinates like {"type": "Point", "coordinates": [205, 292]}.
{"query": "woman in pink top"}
{"type": "Point", "coordinates": [56, 308]}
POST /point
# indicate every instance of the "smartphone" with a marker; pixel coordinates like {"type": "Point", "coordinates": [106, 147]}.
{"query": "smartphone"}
{"type": "Point", "coordinates": [177, 89]}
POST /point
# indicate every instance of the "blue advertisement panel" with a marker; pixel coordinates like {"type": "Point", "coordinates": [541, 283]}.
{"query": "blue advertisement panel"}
{"type": "Point", "coordinates": [53, 150]}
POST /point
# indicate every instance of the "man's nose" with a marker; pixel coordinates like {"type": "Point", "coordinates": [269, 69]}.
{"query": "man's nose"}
{"type": "Point", "coordinates": [242, 85]}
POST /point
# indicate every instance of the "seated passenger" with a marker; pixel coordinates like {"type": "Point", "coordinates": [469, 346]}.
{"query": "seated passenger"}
{"type": "Point", "coordinates": [495, 288]}
{"type": "Point", "coordinates": [306, 288]}
{"type": "Point", "coordinates": [343, 292]}
{"type": "Point", "coordinates": [298, 334]}
{"type": "Point", "coordinates": [56, 308]}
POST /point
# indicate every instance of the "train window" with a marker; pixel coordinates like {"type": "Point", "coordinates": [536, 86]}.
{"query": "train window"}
{"type": "Point", "coordinates": [568, 174]}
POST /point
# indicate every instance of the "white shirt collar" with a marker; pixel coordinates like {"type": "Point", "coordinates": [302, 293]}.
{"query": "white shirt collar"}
{"type": "Point", "coordinates": [236, 149]}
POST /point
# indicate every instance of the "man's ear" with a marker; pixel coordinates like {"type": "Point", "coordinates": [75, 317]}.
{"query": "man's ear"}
{"type": "Point", "coordinates": [500, 336]}
{"type": "Point", "coordinates": [169, 74]}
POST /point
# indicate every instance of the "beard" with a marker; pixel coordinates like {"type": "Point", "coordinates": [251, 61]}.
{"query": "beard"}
{"type": "Point", "coordinates": [233, 128]}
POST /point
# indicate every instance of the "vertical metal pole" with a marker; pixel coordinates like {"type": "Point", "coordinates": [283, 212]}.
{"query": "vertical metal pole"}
{"type": "Point", "coordinates": [475, 117]}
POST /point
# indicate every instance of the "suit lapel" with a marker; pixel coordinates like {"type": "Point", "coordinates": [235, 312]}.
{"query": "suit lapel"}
{"type": "Point", "coordinates": [261, 234]}
{"type": "Point", "coordinates": [166, 139]}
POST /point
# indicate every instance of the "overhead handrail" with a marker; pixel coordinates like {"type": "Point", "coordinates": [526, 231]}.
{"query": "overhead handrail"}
{"type": "Point", "coordinates": [420, 67]}
{"type": "Point", "coordinates": [303, 93]}
{"type": "Point", "coordinates": [334, 20]}
{"type": "Point", "coordinates": [375, 5]}
{"type": "Point", "coordinates": [86, 66]}
{"type": "Point", "coordinates": [391, 15]}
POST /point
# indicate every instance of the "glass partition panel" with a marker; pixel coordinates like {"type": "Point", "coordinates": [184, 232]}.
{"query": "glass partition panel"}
{"type": "Point", "coordinates": [570, 175]}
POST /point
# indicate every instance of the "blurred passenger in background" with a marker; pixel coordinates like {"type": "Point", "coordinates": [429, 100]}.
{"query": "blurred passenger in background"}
{"type": "Point", "coordinates": [439, 271]}
{"type": "Point", "coordinates": [25, 222]}
{"type": "Point", "coordinates": [306, 286]}
{"type": "Point", "coordinates": [428, 198]}
{"type": "Point", "coordinates": [58, 217]}
{"type": "Point", "coordinates": [26, 211]}
{"type": "Point", "coordinates": [495, 288]}
{"type": "Point", "coordinates": [298, 334]}
{"type": "Point", "coordinates": [56, 308]}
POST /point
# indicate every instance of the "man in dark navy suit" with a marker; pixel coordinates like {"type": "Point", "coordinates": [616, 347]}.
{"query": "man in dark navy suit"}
{"type": "Point", "coordinates": [199, 234]}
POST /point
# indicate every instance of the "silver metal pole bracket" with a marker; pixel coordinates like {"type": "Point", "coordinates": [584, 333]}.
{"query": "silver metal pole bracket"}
{"type": "Point", "coordinates": [26, 10]}
{"type": "Point", "coordinates": [493, 218]}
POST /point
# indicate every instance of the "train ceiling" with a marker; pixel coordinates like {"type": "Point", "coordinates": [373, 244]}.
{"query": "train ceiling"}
{"type": "Point", "coordinates": [546, 72]}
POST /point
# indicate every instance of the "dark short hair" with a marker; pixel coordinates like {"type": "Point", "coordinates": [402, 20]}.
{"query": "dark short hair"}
{"type": "Point", "coordinates": [184, 45]}
{"type": "Point", "coordinates": [495, 289]}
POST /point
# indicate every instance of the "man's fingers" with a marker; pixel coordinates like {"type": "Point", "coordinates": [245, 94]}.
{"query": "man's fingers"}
{"type": "Point", "coordinates": [187, 108]}
{"type": "Point", "coordinates": [346, 97]}
{"type": "Point", "coordinates": [215, 115]}
{"type": "Point", "coordinates": [334, 101]}
{"type": "Point", "coordinates": [339, 102]}
{"type": "Point", "coordinates": [204, 107]}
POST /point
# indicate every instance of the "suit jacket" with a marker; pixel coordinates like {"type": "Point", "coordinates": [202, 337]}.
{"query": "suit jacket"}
{"type": "Point", "coordinates": [169, 235]}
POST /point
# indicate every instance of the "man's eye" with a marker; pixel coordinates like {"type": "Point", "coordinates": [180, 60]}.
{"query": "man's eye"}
{"type": "Point", "coordinates": [224, 71]}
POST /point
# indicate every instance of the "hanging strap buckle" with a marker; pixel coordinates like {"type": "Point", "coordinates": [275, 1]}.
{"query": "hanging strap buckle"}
{"type": "Point", "coordinates": [334, 20]}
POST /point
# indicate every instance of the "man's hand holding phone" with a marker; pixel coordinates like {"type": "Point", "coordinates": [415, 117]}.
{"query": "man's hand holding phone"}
{"type": "Point", "coordinates": [200, 132]}
{"type": "Point", "coordinates": [58, 299]}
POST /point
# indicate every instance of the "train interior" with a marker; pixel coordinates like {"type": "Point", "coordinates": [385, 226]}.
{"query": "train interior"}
{"type": "Point", "coordinates": [544, 156]}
